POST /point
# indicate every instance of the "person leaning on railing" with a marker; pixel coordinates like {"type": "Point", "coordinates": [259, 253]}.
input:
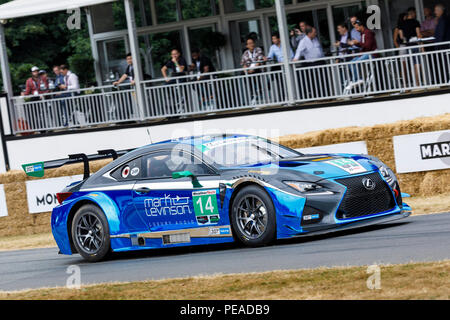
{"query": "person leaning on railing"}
{"type": "Point", "coordinates": [200, 64]}
{"type": "Point", "coordinates": [342, 45]}
{"type": "Point", "coordinates": [71, 84]}
{"type": "Point", "coordinates": [310, 48]}
{"type": "Point", "coordinates": [411, 31]}
{"type": "Point", "coordinates": [129, 72]}
{"type": "Point", "coordinates": [178, 65]}
{"type": "Point", "coordinates": [252, 57]}
{"type": "Point", "coordinates": [368, 43]}
{"type": "Point", "coordinates": [35, 85]}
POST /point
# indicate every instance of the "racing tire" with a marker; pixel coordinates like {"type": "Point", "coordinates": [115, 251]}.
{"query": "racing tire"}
{"type": "Point", "coordinates": [253, 217]}
{"type": "Point", "coordinates": [90, 233]}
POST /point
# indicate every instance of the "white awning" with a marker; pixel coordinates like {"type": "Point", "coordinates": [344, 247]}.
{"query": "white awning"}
{"type": "Point", "coordinates": [23, 8]}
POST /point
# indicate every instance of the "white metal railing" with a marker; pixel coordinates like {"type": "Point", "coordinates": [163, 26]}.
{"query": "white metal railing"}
{"type": "Point", "coordinates": [217, 91]}
{"type": "Point", "coordinates": [379, 72]}
{"type": "Point", "coordinates": [76, 108]}
{"type": "Point", "coordinates": [383, 72]}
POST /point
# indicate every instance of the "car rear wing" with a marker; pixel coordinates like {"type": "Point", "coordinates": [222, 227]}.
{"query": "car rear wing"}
{"type": "Point", "coordinates": [37, 169]}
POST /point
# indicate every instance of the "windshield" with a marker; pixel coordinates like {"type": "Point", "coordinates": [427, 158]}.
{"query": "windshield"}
{"type": "Point", "coordinates": [245, 151]}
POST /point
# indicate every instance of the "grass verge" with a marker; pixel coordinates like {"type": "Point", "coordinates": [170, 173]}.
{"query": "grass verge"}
{"type": "Point", "coordinates": [33, 241]}
{"type": "Point", "coordinates": [430, 204]}
{"type": "Point", "coordinates": [407, 281]}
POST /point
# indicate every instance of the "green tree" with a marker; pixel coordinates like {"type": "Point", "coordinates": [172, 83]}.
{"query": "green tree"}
{"type": "Point", "coordinates": [44, 41]}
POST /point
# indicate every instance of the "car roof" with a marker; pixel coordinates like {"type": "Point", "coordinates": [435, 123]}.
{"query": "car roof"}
{"type": "Point", "coordinates": [186, 143]}
{"type": "Point", "coordinates": [196, 140]}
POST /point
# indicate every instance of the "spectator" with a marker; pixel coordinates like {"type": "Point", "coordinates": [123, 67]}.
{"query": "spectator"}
{"type": "Point", "coordinates": [368, 43]}
{"type": "Point", "coordinates": [129, 72]}
{"type": "Point", "coordinates": [45, 84]}
{"type": "Point", "coordinates": [59, 78]}
{"type": "Point", "coordinates": [441, 32]}
{"type": "Point", "coordinates": [70, 79]}
{"type": "Point", "coordinates": [429, 24]}
{"type": "Point", "coordinates": [276, 51]}
{"type": "Point", "coordinates": [410, 27]}
{"type": "Point", "coordinates": [35, 85]}
{"type": "Point", "coordinates": [410, 31]}
{"type": "Point", "coordinates": [70, 83]}
{"type": "Point", "coordinates": [276, 54]}
{"type": "Point", "coordinates": [355, 34]}
{"type": "Point", "coordinates": [297, 35]}
{"type": "Point", "coordinates": [177, 65]}
{"type": "Point", "coordinates": [200, 64]}
{"type": "Point", "coordinates": [310, 47]}
{"type": "Point", "coordinates": [342, 45]}
{"type": "Point", "coordinates": [398, 33]}
{"type": "Point", "coordinates": [252, 57]}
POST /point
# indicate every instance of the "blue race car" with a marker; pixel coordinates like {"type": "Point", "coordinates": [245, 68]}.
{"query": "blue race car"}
{"type": "Point", "coordinates": [217, 189]}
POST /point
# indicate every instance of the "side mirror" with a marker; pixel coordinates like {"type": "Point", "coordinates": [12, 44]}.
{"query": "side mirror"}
{"type": "Point", "coordinates": [186, 174]}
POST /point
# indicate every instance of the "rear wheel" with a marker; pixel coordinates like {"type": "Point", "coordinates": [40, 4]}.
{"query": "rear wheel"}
{"type": "Point", "coordinates": [253, 217]}
{"type": "Point", "coordinates": [90, 233]}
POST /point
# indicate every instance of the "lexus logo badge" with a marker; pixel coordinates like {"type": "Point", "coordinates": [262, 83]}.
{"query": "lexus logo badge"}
{"type": "Point", "coordinates": [368, 183]}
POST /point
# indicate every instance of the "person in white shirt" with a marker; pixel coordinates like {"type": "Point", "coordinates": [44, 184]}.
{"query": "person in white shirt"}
{"type": "Point", "coordinates": [71, 83]}
{"type": "Point", "coordinates": [70, 79]}
{"type": "Point", "coordinates": [310, 47]}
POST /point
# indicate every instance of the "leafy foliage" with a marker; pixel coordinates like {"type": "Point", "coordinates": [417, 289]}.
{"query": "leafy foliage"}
{"type": "Point", "coordinates": [44, 41]}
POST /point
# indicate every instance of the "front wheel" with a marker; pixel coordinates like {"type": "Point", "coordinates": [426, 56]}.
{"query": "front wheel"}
{"type": "Point", "coordinates": [253, 217]}
{"type": "Point", "coordinates": [90, 233]}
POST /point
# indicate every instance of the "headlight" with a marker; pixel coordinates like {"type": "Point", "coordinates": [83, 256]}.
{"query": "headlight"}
{"type": "Point", "coordinates": [303, 187]}
{"type": "Point", "coordinates": [385, 172]}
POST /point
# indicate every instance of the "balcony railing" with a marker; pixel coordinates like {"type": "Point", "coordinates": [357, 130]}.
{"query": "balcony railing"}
{"type": "Point", "coordinates": [215, 92]}
{"type": "Point", "coordinates": [338, 77]}
{"type": "Point", "coordinates": [74, 109]}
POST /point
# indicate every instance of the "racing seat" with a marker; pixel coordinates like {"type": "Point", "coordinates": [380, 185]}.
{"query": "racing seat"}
{"type": "Point", "coordinates": [158, 168]}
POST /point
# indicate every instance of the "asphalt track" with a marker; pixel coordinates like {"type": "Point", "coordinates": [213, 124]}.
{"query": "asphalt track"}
{"type": "Point", "coordinates": [414, 239]}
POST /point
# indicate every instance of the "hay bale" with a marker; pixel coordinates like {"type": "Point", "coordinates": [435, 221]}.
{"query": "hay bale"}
{"type": "Point", "coordinates": [380, 144]}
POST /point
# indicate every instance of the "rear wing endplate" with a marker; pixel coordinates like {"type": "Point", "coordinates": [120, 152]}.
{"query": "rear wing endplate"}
{"type": "Point", "coordinates": [37, 169]}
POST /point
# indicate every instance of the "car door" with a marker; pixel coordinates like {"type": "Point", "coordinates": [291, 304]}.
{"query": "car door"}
{"type": "Point", "coordinates": [165, 203]}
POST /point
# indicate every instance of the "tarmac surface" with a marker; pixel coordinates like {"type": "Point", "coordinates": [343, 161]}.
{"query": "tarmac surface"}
{"type": "Point", "coordinates": [414, 239]}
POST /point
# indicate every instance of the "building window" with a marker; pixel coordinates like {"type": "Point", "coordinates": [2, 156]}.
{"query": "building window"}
{"type": "Point", "coordinates": [249, 5]}
{"type": "Point", "coordinates": [166, 11]}
{"type": "Point", "coordinates": [191, 9]}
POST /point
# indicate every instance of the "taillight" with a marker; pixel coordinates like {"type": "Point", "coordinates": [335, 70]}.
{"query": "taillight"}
{"type": "Point", "coordinates": [63, 196]}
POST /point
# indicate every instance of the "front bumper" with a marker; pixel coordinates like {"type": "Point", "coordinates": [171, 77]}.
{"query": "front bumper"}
{"type": "Point", "coordinates": [348, 205]}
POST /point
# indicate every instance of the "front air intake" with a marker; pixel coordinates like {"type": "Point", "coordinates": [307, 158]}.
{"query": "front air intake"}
{"type": "Point", "coordinates": [360, 201]}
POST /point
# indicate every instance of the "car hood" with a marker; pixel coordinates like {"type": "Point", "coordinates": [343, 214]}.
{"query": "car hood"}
{"type": "Point", "coordinates": [329, 166]}
{"type": "Point", "coordinates": [321, 166]}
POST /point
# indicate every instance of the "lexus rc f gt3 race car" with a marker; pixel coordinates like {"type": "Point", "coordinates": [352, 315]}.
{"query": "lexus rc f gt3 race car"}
{"type": "Point", "coordinates": [217, 189]}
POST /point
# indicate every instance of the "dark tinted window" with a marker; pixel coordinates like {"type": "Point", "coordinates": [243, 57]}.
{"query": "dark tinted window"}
{"type": "Point", "coordinates": [163, 164]}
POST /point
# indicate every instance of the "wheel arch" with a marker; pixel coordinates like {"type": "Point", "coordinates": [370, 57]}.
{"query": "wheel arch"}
{"type": "Point", "coordinates": [104, 203]}
{"type": "Point", "coordinates": [239, 185]}
{"type": "Point", "coordinates": [71, 215]}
